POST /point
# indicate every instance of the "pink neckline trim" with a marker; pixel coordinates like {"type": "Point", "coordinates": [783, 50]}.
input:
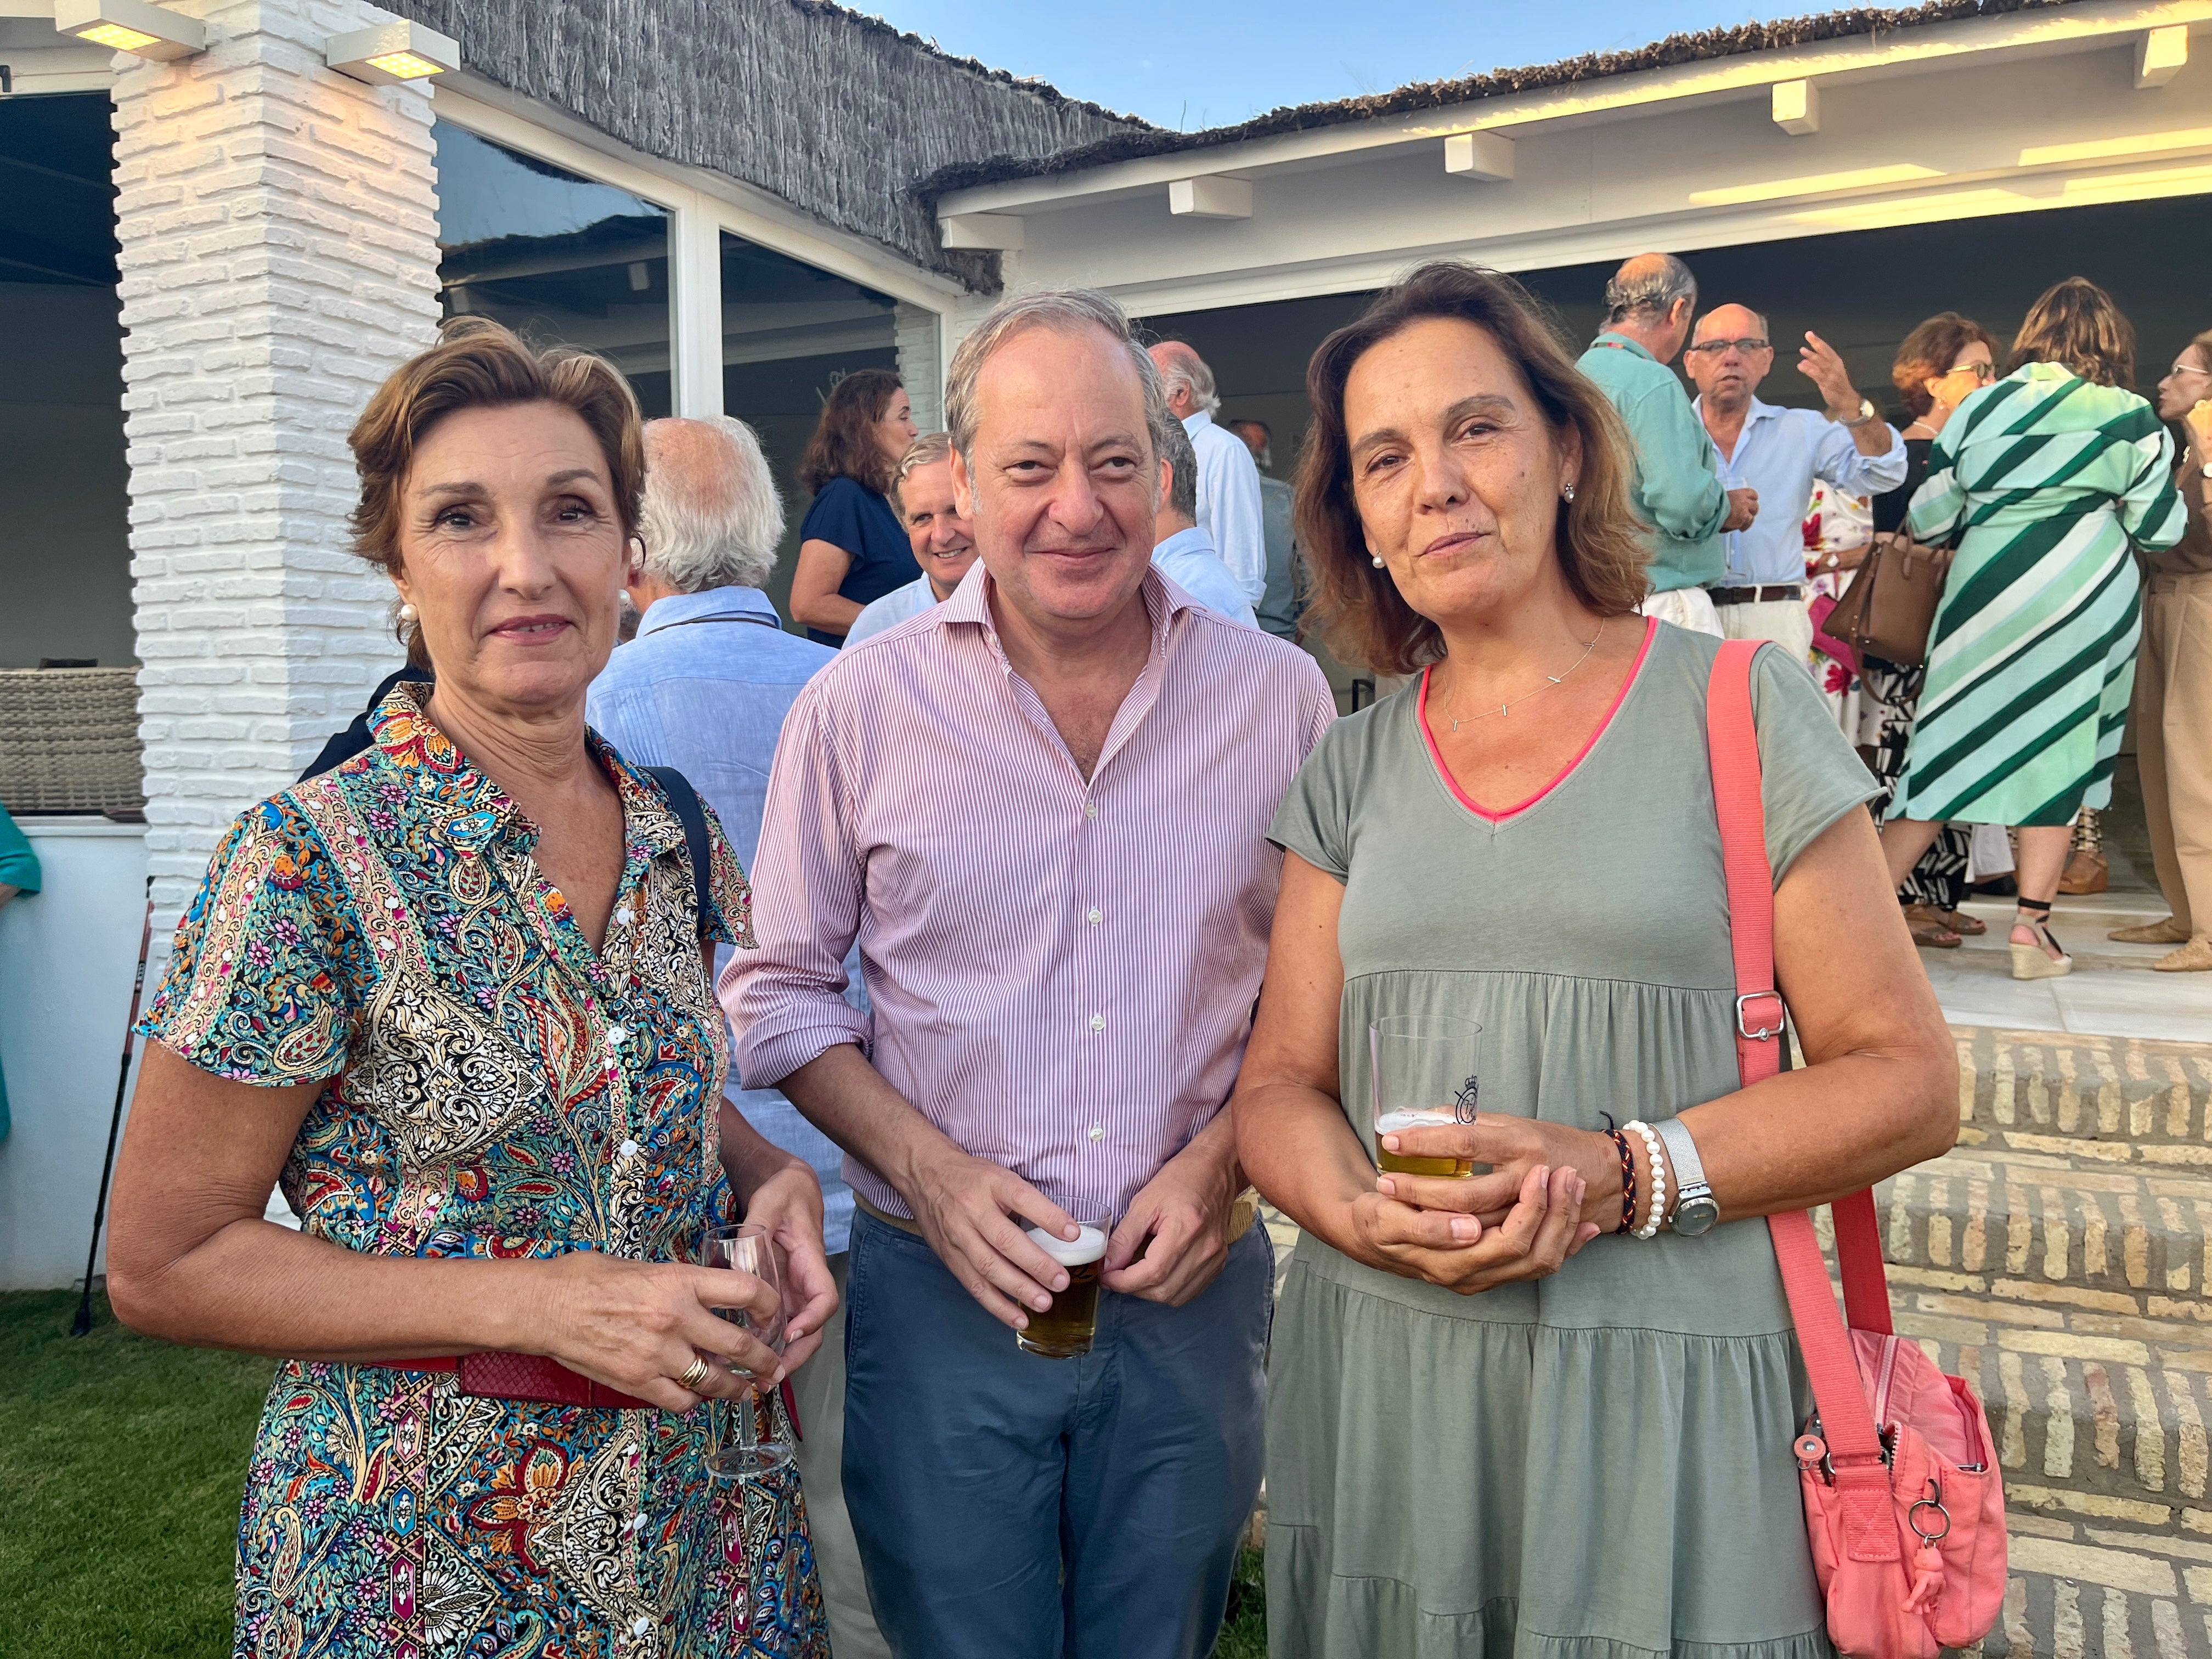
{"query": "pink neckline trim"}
{"type": "Point", "coordinates": [1435, 754]}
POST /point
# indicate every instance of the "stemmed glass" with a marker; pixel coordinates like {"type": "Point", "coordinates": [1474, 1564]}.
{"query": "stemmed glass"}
{"type": "Point", "coordinates": [747, 1248]}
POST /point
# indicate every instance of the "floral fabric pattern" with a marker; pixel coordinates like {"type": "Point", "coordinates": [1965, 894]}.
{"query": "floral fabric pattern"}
{"type": "Point", "coordinates": [493, 1087]}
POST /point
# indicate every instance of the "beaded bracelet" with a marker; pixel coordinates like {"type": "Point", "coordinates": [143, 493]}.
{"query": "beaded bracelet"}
{"type": "Point", "coordinates": [1650, 1227]}
{"type": "Point", "coordinates": [1628, 1179]}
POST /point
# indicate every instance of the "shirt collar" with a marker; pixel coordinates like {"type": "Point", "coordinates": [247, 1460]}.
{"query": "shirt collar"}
{"type": "Point", "coordinates": [1758, 411]}
{"type": "Point", "coordinates": [732, 601]}
{"type": "Point", "coordinates": [471, 810]}
{"type": "Point", "coordinates": [1193, 540]}
{"type": "Point", "coordinates": [1623, 342]}
{"type": "Point", "coordinates": [1201, 417]}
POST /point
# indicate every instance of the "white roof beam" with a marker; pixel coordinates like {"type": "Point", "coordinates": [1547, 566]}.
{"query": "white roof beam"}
{"type": "Point", "coordinates": [1211, 196]}
{"type": "Point", "coordinates": [1927, 48]}
{"type": "Point", "coordinates": [996, 232]}
{"type": "Point", "coordinates": [2161, 54]}
{"type": "Point", "coordinates": [1480, 157]}
{"type": "Point", "coordinates": [1797, 107]}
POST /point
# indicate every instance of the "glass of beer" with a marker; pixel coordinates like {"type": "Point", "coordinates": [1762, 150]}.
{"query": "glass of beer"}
{"type": "Point", "coordinates": [1065, 1328]}
{"type": "Point", "coordinates": [1426, 1067]}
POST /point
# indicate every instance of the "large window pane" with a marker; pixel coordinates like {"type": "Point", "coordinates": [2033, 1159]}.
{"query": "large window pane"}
{"type": "Point", "coordinates": [559, 258]}
{"type": "Point", "coordinates": [789, 334]}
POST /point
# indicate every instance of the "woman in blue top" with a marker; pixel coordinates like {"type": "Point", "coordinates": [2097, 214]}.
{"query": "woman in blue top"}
{"type": "Point", "coordinates": [852, 547]}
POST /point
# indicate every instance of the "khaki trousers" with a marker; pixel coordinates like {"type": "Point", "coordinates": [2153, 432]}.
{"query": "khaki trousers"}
{"type": "Point", "coordinates": [2173, 741]}
{"type": "Point", "coordinates": [1785, 621]}
{"type": "Point", "coordinates": [819, 1387]}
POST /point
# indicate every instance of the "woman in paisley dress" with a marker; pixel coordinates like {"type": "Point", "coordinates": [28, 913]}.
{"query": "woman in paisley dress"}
{"type": "Point", "coordinates": [455, 996]}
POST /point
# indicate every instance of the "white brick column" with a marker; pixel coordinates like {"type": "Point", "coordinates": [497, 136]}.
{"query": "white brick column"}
{"type": "Point", "coordinates": [279, 225]}
{"type": "Point", "coordinates": [919, 366]}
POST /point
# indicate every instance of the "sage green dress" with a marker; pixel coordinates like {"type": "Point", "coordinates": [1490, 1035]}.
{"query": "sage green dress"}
{"type": "Point", "coordinates": [1597, 1465]}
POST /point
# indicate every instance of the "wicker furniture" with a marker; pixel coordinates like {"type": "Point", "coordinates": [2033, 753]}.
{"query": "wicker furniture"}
{"type": "Point", "coordinates": [68, 740]}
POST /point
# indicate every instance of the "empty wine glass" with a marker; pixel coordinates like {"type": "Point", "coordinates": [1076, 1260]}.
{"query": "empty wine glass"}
{"type": "Point", "coordinates": [747, 1248]}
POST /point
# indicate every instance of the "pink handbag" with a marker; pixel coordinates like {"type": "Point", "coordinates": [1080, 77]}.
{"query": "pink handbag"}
{"type": "Point", "coordinates": [1903, 1502]}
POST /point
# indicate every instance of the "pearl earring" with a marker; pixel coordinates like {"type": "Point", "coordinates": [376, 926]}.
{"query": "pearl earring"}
{"type": "Point", "coordinates": [1378, 559]}
{"type": "Point", "coordinates": [1567, 490]}
{"type": "Point", "coordinates": [407, 613]}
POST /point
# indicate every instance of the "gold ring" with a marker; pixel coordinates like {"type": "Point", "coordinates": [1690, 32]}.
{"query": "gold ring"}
{"type": "Point", "coordinates": [697, 1372]}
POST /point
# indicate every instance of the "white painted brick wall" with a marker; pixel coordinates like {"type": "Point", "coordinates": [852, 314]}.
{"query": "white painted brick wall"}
{"type": "Point", "coordinates": [919, 369]}
{"type": "Point", "coordinates": [279, 225]}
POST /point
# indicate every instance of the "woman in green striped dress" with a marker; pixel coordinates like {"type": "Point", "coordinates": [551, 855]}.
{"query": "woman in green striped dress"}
{"type": "Point", "coordinates": [2051, 474]}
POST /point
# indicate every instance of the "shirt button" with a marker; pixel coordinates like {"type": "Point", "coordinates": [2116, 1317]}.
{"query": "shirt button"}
{"type": "Point", "coordinates": [639, 1627]}
{"type": "Point", "coordinates": [616, 1036]}
{"type": "Point", "coordinates": [629, 1149]}
{"type": "Point", "coordinates": [1098, 1022]}
{"type": "Point", "coordinates": [1098, 1132]}
{"type": "Point", "coordinates": [1096, 917]}
{"type": "Point", "coordinates": [1091, 809]}
{"type": "Point", "coordinates": [625, 915]}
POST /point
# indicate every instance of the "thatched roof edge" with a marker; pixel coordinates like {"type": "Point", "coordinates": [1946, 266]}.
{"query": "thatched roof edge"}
{"type": "Point", "coordinates": [1675, 49]}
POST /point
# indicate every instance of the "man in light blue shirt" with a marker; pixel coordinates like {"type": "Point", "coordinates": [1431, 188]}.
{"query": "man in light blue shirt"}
{"type": "Point", "coordinates": [704, 687]}
{"type": "Point", "coordinates": [943, 542]}
{"type": "Point", "coordinates": [1228, 480]}
{"type": "Point", "coordinates": [1779, 452]}
{"type": "Point", "coordinates": [1184, 553]}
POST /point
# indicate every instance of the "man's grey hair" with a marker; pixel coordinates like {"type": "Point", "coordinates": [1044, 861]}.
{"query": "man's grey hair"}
{"type": "Point", "coordinates": [1182, 483]}
{"type": "Point", "coordinates": [711, 516]}
{"type": "Point", "coordinates": [1068, 311]}
{"type": "Point", "coordinates": [1188, 370]}
{"type": "Point", "coordinates": [927, 450]}
{"type": "Point", "coordinates": [1657, 291]}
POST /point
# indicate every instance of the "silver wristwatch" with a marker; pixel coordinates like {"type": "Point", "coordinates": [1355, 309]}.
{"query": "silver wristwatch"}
{"type": "Point", "coordinates": [1695, 1212]}
{"type": "Point", "coordinates": [1867, 412]}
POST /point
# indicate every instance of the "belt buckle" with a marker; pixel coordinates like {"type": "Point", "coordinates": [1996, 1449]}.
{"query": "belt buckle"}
{"type": "Point", "coordinates": [1765, 1032]}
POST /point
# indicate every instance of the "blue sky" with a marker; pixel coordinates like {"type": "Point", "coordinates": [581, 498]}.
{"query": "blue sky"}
{"type": "Point", "coordinates": [1193, 63]}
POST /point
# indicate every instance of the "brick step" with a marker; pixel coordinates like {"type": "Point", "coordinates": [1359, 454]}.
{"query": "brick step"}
{"type": "Point", "coordinates": [2141, 1100]}
{"type": "Point", "coordinates": [2078, 1599]}
{"type": "Point", "coordinates": [2083, 1232]}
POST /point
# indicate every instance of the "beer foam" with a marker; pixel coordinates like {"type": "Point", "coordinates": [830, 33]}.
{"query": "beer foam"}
{"type": "Point", "coordinates": [1088, 1247]}
{"type": "Point", "coordinates": [1390, 1122]}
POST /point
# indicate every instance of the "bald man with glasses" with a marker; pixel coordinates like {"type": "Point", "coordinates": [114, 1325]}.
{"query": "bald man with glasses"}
{"type": "Point", "coordinates": [1779, 452]}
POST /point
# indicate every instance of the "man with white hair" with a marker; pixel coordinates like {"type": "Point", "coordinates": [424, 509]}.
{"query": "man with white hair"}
{"type": "Point", "coordinates": [1041, 808]}
{"type": "Point", "coordinates": [704, 687]}
{"type": "Point", "coordinates": [1229, 508]}
{"type": "Point", "coordinates": [1184, 553]}
{"type": "Point", "coordinates": [943, 542]}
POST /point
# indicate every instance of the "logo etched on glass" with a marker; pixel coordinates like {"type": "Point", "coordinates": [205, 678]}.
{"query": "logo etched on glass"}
{"type": "Point", "coordinates": [1463, 1102]}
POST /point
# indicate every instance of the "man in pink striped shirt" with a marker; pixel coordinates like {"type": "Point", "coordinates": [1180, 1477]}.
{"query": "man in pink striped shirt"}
{"type": "Point", "coordinates": [1041, 808]}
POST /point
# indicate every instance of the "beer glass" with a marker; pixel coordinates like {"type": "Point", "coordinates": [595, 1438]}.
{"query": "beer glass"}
{"type": "Point", "coordinates": [1426, 1067]}
{"type": "Point", "coordinates": [1065, 1328]}
{"type": "Point", "coordinates": [750, 1249]}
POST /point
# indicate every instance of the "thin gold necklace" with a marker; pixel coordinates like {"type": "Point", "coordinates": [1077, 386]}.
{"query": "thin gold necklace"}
{"type": "Point", "coordinates": [1550, 680]}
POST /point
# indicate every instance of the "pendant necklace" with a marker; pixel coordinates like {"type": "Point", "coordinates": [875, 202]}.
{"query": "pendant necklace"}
{"type": "Point", "coordinates": [1550, 680]}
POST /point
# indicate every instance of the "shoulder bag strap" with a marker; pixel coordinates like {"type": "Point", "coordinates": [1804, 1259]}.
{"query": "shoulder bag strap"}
{"type": "Point", "coordinates": [684, 801]}
{"type": "Point", "coordinates": [1733, 739]}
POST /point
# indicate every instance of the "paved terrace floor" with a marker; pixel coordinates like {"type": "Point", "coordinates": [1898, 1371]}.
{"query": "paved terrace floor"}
{"type": "Point", "coordinates": [2058, 1258]}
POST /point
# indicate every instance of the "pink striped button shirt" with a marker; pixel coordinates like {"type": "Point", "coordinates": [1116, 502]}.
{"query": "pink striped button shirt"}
{"type": "Point", "coordinates": [1063, 973]}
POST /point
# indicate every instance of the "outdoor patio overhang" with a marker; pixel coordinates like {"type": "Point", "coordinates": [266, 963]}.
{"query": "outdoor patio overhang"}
{"type": "Point", "coordinates": [2064, 105]}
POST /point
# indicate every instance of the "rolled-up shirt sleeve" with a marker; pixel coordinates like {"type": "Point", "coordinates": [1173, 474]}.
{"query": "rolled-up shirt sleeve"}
{"type": "Point", "coordinates": [786, 999]}
{"type": "Point", "coordinates": [1676, 484]}
{"type": "Point", "coordinates": [1837, 459]}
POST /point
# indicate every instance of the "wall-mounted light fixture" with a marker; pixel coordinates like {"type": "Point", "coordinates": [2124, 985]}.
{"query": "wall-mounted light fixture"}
{"type": "Point", "coordinates": [392, 54]}
{"type": "Point", "coordinates": [132, 26]}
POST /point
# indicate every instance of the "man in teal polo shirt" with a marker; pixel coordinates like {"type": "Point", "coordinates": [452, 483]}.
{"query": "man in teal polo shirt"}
{"type": "Point", "coordinates": [1677, 492]}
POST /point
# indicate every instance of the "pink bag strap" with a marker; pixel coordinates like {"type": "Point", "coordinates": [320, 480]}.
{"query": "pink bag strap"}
{"type": "Point", "coordinates": [1732, 737]}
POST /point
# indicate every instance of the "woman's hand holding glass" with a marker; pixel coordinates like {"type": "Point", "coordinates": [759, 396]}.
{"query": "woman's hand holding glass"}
{"type": "Point", "coordinates": [1550, 1190]}
{"type": "Point", "coordinates": [639, 1326]}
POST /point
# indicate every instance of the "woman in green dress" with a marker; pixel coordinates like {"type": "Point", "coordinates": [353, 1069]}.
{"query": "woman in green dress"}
{"type": "Point", "coordinates": [1497, 1424]}
{"type": "Point", "coordinates": [2053, 473]}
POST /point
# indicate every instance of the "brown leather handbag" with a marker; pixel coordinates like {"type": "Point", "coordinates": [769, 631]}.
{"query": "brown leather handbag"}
{"type": "Point", "coordinates": [1889, 609]}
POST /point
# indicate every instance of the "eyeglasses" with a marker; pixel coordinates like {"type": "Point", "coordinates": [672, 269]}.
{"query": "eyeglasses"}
{"type": "Point", "coordinates": [2188, 368]}
{"type": "Point", "coordinates": [1748, 344]}
{"type": "Point", "coordinates": [1982, 372]}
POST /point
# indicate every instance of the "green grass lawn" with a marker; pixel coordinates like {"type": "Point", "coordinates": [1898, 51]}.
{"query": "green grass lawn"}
{"type": "Point", "coordinates": [121, 1461]}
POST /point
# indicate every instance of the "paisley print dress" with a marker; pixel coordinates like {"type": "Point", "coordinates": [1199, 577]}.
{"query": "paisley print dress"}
{"type": "Point", "coordinates": [496, 1088]}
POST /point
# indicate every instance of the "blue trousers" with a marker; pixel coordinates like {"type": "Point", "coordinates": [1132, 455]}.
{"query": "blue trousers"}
{"type": "Point", "coordinates": [1009, 1506]}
